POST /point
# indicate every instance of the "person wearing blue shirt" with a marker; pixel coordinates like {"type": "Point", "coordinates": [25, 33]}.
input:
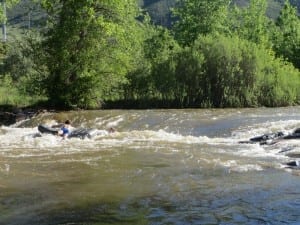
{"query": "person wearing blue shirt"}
{"type": "Point", "coordinates": [64, 131]}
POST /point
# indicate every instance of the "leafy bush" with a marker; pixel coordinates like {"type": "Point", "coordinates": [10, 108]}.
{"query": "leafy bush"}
{"type": "Point", "coordinates": [11, 95]}
{"type": "Point", "coordinates": [239, 73]}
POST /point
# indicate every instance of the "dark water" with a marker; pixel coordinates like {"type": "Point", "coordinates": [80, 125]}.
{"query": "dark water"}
{"type": "Point", "coordinates": [160, 167]}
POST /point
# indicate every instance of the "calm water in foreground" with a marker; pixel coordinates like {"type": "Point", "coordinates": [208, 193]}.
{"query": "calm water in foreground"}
{"type": "Point", "coordinates": [161, 167]}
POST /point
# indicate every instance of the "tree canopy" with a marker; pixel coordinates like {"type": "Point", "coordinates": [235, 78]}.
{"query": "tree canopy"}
{"type": "Point", "coordinates": [196, 18]}
{"type": "Point", "coordinates": [4, 4]}
{"type": "Point", "coordinates": [97, 53]}
{"type": "Point", "coordinates": [90, 47]}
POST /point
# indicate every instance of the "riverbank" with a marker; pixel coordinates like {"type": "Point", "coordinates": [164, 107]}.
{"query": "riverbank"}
{"type": "Point", "coordinates": [10, 114]}
{"type": "Point", "coordinates": [10, 117]}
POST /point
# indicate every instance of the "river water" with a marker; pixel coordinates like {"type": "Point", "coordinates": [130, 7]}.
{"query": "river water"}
{"type": "Point", "coordinates": [160, 167]}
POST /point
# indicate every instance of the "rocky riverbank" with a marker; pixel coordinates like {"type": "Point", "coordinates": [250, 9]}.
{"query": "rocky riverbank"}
{"type": "Point", "coordinates": [12, 116]}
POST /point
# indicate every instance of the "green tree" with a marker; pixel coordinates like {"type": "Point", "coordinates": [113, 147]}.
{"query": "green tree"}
{"type": "Point", "coordinates": [3, 18]}
{"type": "Point", "coordinates": [230, 68]}
{"type": "Point", "coordinates": [189, 75]}
{"type": "Point", "coordinates": [239, 73]}
{"type": "Point", "coordinates": [89, 49]}
{"type": "Point", "coordinates": [153, 77]}
{"type": "Point", "coordinates": [161, 49]}
{"type": "Point", "coordinates": [198, 17]}
{"type": "Point", "coordinates": [139, 83]}
{"type": "Point", "coordinates": [287, 36]}
{"type": "Point", "coordinates": [251, 22]}
{"type": "Point", "coordinates": [4, 4]}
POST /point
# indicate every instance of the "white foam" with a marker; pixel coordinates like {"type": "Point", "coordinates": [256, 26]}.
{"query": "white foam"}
{"type": "Point", "coordinates": [13, 140]}
{"type": "Point", "coordinates": [267, 127]}
{"type": "Point", "coordinates": [110, 122]}
{"type": "Point", "coordinates": [5, 168]}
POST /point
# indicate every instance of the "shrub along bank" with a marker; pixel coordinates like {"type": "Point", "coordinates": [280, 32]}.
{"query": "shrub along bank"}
{"type": "Point", "coordinates": [95, 54]}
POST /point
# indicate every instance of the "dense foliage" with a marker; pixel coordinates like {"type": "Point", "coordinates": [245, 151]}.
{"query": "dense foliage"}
{"type": "Point", "coordinates": [199, 17]}
{"type": "Point", "coordinates": [215, 54]}
{"type": "Point", "coordinates": [89, 48]}
{"type": "Point", "coordinates": [6, 4]}
{"type": "Point", "coordinates": [160, 10]}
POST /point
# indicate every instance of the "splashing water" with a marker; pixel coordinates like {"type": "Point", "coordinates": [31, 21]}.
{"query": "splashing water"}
{"type": "Point", "coordinates": [160, 167]}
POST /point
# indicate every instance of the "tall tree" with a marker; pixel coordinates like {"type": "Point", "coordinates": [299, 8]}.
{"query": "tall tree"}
{"type": "Point", "coordinates": [4, 4]}
{"type": "Point", "coordinates": [195, 17]}
{"type": "Point", "coordinates": [251, 22]}
{"type": "Point", "coordinates": [89, 46]}
{"type": "Point", "coordinates": [287, 37]}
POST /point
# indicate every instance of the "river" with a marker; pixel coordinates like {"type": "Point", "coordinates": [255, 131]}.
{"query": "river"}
{"type": "Point", "coordinates": [161, 167]}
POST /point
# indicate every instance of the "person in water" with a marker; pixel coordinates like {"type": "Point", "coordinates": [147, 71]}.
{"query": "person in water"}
{"type": "Point", "coordinates": [64, 131]}
{"type": "Point", "coordinates": [111, 130]}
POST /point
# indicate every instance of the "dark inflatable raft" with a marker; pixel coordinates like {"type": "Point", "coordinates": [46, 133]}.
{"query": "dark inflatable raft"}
{"type": "Point", "coordinates": [294, 135]}
{"type": "Point", "coordinates": [264, 139]}
{"type": "Point", "coordinates": [272, 138]}
{"type": "Point", "coordinates": [77, 133]}
{"type": "Point", "coordinates": [293, 165]}
{"type": "Point", "coordinates": [48, 130]}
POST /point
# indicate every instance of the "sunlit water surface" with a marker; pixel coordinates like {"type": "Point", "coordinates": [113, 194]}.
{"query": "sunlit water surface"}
{"type": "Point", "coordinates": [160, 167]}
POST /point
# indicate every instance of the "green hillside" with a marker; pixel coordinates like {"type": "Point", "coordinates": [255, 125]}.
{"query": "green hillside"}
{"type": "Point", "coordinates": [159, 10]}
{"type": "Point", "coordinates": [28, 14]}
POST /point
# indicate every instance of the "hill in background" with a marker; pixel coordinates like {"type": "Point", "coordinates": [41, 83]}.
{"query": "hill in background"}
{"type": "Point", "coordinates": [159, 10]}
{"type": "Point", "coordinates": [27, 14]}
